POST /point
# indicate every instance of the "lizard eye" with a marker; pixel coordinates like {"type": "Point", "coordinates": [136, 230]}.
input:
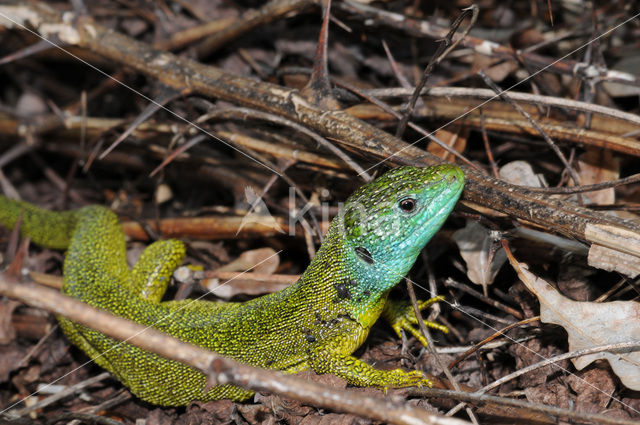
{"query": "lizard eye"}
{"type": "Point", "coordinates": [407, 205]}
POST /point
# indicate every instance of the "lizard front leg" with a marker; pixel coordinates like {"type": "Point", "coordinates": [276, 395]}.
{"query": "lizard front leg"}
{"type": "Point", "coordinates": [401, 316]}
{"type": "Point", "coordinates": [359, 373]}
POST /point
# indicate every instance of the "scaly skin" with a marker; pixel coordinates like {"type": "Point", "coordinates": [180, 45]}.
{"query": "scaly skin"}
{"type": "Point", "coordinates": [314, 324]}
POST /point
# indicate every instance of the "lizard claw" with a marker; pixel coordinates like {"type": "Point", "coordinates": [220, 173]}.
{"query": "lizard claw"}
{"type": "Point", "coordinates": [402, 317]}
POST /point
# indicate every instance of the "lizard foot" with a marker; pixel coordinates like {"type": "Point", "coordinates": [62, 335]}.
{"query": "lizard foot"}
{"type": "Point", "coordinates": [398, 378]}
{"type": "Point", "coordinates": [401, 316]}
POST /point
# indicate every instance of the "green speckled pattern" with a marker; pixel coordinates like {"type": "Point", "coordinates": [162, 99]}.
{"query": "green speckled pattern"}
{"type": "Point", "coordinates": [314, 324]}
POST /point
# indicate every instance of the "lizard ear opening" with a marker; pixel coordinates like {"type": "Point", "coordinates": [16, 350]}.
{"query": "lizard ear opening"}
{"type": "Point", "coordinates": [364, 254]}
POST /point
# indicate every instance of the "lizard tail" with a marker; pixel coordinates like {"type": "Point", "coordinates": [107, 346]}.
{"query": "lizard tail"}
{"type": "Point", "coordinates": [46, 228]}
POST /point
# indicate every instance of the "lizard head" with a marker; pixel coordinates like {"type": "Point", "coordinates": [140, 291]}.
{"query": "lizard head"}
{"type": "Point", "coordinates": [387, 222]}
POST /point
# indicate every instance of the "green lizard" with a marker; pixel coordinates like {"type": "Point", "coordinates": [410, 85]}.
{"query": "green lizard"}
{"type": "Point", "coordinates": [315, 324]}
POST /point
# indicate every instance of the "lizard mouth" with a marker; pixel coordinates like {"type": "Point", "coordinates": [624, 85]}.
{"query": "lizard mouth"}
{"type": "Point", "coordinates": [444, 210]}
{"type": "Point", "coordinates": [448, 206]}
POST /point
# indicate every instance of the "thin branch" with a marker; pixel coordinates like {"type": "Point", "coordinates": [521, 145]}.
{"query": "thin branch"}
{"type": "Point", "coordinates": [253, 18]}
{"type": "Point", "coordinates": [635, 178]}
{"type": "Point", "coordinates": [244, 113]}
{"type": "Point", "coordinates": [387, 108]}
{"type": "Point", "coordinates": [70, 390]}
{"type": "Point", "coordinates": [623, 347]}
{"type": "Point", "coordinates": [565, 217]}
{"type": "Point", "coordinates": [504, 96]}
{"type": "Point", "coordinates": [431, 347]}
{"type": "Point", "coordinates": [446, 45]}
{"type": "Point", "coordinates": [534, 408]}
{"type": "Point", "coordinates": [533, 99]}
{"type": "Point", "coordinates": [493, 336]}
{"type": "Point", "coordinates": [421, 28]}
{"type": "Point", "coordinates": [218, 369]}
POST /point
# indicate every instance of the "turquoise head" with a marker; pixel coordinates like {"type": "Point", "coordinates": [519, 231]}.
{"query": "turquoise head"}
{"type": "Point", "coordinates": [387, 222]}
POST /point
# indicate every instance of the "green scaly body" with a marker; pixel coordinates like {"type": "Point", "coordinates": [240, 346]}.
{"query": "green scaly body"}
{"type": "Point", "coordinates": [314, 324]}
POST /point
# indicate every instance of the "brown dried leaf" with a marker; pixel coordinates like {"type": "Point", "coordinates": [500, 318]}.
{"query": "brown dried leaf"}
{"type": "Point", "coordinates": [229, 284]}
{"type": "Point", "coordinates": [526, 37]}
{"type": "Point", "coordinates": [597, 166]}
{"type": "Point", "coordinates": [593, 388]}
{"type": "Point", "coordinates": [256, 414]}
{"type": "Point", "coordinates": [11, 355]}
{"type": "Point", "coordinates": [261, 260]}
{"type": "Point", "coordinates": [332, 419]}
{"type": "Point", "coordinates": [213, 412]}
{"type": "Point", "coordinates": [531, 352]}
{"type": "Point", "coordinates": [159, 417]}
{"type": "Point", "coordinates": [163, 194]}
{"type": "Point", "coordinates": [454, 137]}
{"type": "Point", "coordinates": [326, 379]}
{"type": "Point", "coordinates": [549, 394]}
{"type": "Point", "coordinates": [576, 281]}
{"type": "Point", "coordinates": [294, 411]}
{"type": "Point", "coordinates": [502, 70]}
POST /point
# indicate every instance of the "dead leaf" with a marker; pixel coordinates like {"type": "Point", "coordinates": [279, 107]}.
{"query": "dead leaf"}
{"type": "Point", "coordinates": [332, 419]}
{"type": "Point", "coordinates": [256, 413]}
{"type": "Point", "coordinates": [502, 70]}
{"type": "Point", "coordinates": [550, 394]}
{"type": "Point", "coordinates": [230, 284]}
{"type": "Point", "coordinates": [454, 137]}
{"type": "Point", "coordinates": [163, 194]}
{"type": "Point", "coordinates": [520, 173]}
{"type": "Point", "coordinates": [593, 388]}
{"type": "Point", "coordinates": [526, 37]}
{"type": "Point", "coordinates": [497, 70]}
{"type": "Point", "coordinates": [261, 260]}
{"type": "Point", "coordinates": [159, 417]}
{"type": "Point", "coordinates": [475, 243]}
{"type": "Point", "coordinates": [30, 104]}
{"type": "Point", "coordinates": [531, 352]}
{"type": "Point", "coordinates": [577, 281]}
{"type": "Point", "coordinates": [590, 325]}
{"type": "Point", "coordinates": [597, 166]}
{"type": "Point", "coordinates": [212, 412]}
